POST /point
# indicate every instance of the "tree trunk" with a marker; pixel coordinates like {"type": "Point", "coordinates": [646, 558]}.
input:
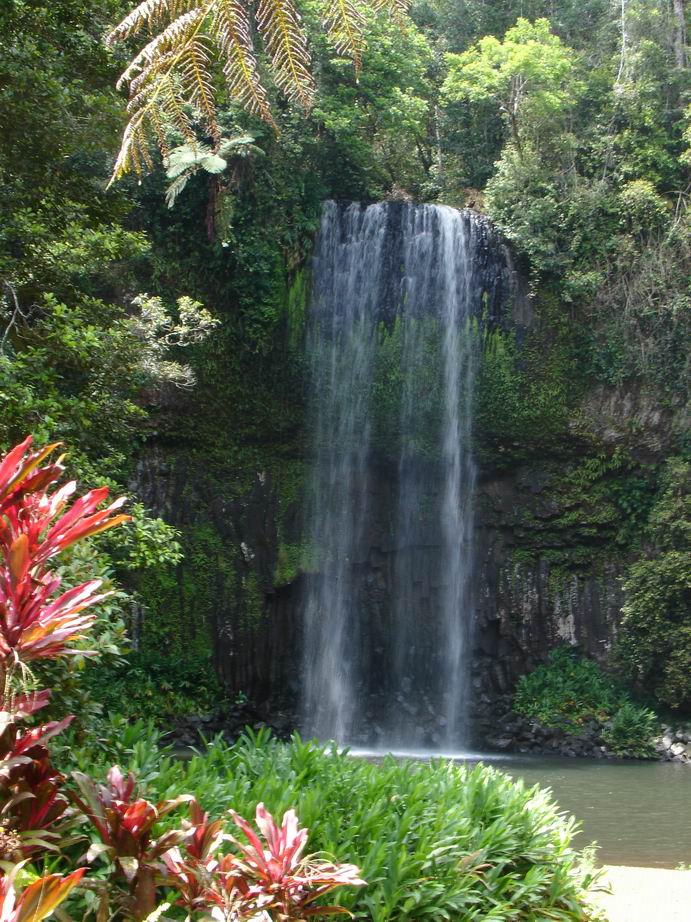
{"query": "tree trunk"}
{"type": "Point", "coordinates": [680, 34]}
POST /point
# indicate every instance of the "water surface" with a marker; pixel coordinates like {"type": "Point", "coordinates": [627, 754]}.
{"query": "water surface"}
{"type": "Point", "coordinates": [638, 812]}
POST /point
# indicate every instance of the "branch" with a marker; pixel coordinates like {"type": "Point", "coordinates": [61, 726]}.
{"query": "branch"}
{"type": "Point", "coordinates": [17, 312]}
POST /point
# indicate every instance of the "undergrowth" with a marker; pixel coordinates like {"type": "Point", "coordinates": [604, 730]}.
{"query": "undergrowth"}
{"type": "Point", "coordinates": [573, 694]}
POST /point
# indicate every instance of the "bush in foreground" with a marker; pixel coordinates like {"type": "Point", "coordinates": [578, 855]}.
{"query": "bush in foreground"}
{"type": "Point", "coordinates": [45, 819]}
{"type": "Point", "coordinates": [434, 841]}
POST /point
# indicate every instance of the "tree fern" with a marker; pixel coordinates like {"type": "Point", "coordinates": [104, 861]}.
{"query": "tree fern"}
{"type": "Point", "coordinates": [231, 29]}
{"type": "Point", "coordinates": [171, 79]}
{"type": "Point", "coordinates": [286, 44]}
{"type": "Point", "coordinates": [346, 25]}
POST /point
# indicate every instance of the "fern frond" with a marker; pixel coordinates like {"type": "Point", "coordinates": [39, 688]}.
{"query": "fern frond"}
{"type": "Point", "coordinates": [194, 68]}
{"type": "Point", "coordinates": [397, 9]}
{"type": "Point", "coordinates": [231, 31]}
{"type": "Point", "coordinates": [176, 187]}
{"type": "Point", "coordinates": [134, 148]}
{"type": "Point", "coordinates": [149, 14]}
{"type": "Point", "coordinates": [345, 24]}
{"type": "Point", "coordinates": [157, 101]}
{"type": "Point", "coordinates": [286, 44]}
{"type": "Point", "coordinates": [158, 46]}
{"type": "Point", "coordinates": [170, 80]}
{"type": "Point", "coordinates": [172, 70]}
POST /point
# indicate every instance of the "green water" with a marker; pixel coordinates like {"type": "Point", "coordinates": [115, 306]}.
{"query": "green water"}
{"type": "Point", "coordinates": [638, 812]}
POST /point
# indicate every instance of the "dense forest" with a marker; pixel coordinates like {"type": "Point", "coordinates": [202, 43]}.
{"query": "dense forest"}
{"type": "Point", "coordinates": [568, 124]}
{"type": "Point", "coordinates": [153, 307]}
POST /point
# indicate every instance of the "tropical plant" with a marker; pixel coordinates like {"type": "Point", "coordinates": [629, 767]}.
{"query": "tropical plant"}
{"type": "Point", "coordinates": [184, 161]}
{"type": "Point", "coordinates": [31, 789]}
{"type": "Point", "coordinates": [631, 731]}
{"type": "Point", "coordinates": [574, 694]}
{"type": "Point", "coordinates": [277, 867]}
{"type": "Point", "coordinates": [435, 841]}
{"type": "Point", "coordinates": [124, 824]}
{"type": "Point", "coordinates": [38, 900]}
{"type": "Point", "coordinates": [269, 875]}
{"type": "Point", "coordinates": [171, 79]}
{"type": "Point", "coordinates": [36, 525]}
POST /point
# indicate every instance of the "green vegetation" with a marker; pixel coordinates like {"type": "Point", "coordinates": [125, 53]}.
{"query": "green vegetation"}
{"type": "Point", "coordinates": [524, 392]}
{"type": "Point", "coordinates": [654, 644]}
{"type": "Point", "coordinates": [436, 841]}
{"type": "Point", "coordinates": [573, 694]}
{"type": "Point", "coordinates": [529, 77]}
{"type": "Point", "coordinates": [433, 841]}
{"type": "Point", "coordinates": [156, 325]}
{"type": "Point", "coordinates": [569, 124]}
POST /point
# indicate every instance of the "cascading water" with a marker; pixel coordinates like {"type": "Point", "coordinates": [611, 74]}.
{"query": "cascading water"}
{"type": "Point", "coordinates": [388, 603]}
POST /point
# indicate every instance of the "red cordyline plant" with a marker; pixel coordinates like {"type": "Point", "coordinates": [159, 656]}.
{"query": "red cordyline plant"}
{"type": "Point", "coordinates": [269, 878]}
{"type": "Point", "coordinates": [37, 622]}
{"type": "Point", "coordinates": [38, 900]}
{"type": "Point", "coordinates": [35, 525]}
{"type": "Point", "coordinates": [30, 790]}
{"type": "Point", "coordinates": [277, 868]}
{"type": "Point", "coordinates": [124, 824]}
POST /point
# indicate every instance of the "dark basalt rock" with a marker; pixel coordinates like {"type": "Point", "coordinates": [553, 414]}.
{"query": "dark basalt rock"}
{"type": "Point", "coordinates": [525, 603]}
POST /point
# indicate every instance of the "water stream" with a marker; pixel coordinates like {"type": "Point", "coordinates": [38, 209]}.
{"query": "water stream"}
{"type": "Point", "coordinates": [388, 602]}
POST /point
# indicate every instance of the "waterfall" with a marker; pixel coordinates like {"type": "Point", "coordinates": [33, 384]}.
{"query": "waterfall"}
{"type": "Point", "coordinates": [388, 599]}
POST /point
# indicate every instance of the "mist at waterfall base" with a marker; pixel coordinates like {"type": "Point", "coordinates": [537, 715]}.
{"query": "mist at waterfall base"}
{"type": "Point", "coordinates": [397, 293]}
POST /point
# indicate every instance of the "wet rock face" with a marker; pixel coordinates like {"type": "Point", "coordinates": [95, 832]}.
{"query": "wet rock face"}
{"type": "Point", "coordinates": [528, 603]}
{"type": "Point", "coordinates": [540, 575]}
{"type": "Point", "coordinates": [522, 607]}
{"type": "Point", "coordinates": [524, 604]}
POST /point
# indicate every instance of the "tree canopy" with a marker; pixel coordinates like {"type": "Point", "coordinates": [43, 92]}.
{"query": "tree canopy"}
{"type": "Point", "coordinates": [530, 75]}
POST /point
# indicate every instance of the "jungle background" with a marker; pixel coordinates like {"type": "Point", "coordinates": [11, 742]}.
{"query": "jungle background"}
{"type": "Point", "coordinates": [163, 345]}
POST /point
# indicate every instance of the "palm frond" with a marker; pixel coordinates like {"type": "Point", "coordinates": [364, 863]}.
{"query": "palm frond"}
{"type": "Point", "coordinates": [345, 24]}
{"type": "Point", "coordinates": [286, 44]}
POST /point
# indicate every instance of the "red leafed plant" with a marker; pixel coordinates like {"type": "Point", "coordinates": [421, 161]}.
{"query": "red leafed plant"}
{"type": "Point", "coordinates": [280, 871]}
{"type": "Point", "coordinates": [37, 622]}
{"type": "Point", "coordinates": [38, 900]}
{"type": "Point", "coordinates": [269, 875]}
{"type": "Point", "coordinates": [124, 824]}
{"type": "Point", "coordinates": [268, 878]}
{"type": "Point", "coordinates": [30, 789]}
{"type": "Point", "coordinates": [35, 524]}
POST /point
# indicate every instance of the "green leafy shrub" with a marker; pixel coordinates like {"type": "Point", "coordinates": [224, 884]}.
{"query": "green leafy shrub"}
{"type": "Point", "coordinates": [630, 730]}
{"type": "Point", "coordinates": [435, 841]}
{"type": "Point", "coordinates": [146, 686]}
{"type": "Point", "coordinates": [569, 693]}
